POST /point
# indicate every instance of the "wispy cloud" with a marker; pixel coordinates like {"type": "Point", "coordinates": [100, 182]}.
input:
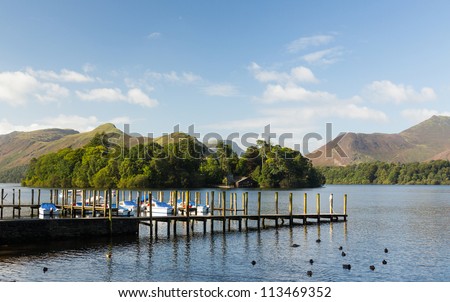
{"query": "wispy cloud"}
{"type": "Point", "coordinates": [134, 96]}
{"type": "Point", "coordinates": [307, 42]}
{"type": "Point", "coordinates": [173, 76]}
{"type": "Point", "coordinates": [224, 90]}
{"type": "Point", "coordinates": [324, 57]}
{"type": "Point", "coordinates": [294, 93]}
{"type": "Point", "coordinates": [386, 91]}
{"type": "Point", "coordinates": [64, 75]}
{"type": "Point", "coordinates": [297, 74]}
{"type": "Point", "coordinates": [419, 115]}
{"type": "Point", "coordinates": [154, 35]}
{"type": "Point", "coordinates": [61, 121]}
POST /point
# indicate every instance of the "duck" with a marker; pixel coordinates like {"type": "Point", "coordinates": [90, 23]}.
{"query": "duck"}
{"type": "Point", "coordinates": [386, 250]}
{"type": "Point", "coordinates": [346, 266]}
{"type": "Point", "coordinates": [318, 240]}
{"type": "Point", "coordinates": [295, 245]}
{"type": "Point", "coordinates": [309, 273]}
{"type": "Point", "coordinates": [253, 262]}
{"type": "Point", "coordinates": [372, 267]}
{"type": "Point", "coordinates": [45, 269]}
{"type": "Point", "coordinates": [343, 254]}
{"type": "Point", "coordinates": [340, 248]}
{"type": "Point", "coordinates": [384, 262]}
{"type": "Point", "coordinates": [311, 261]}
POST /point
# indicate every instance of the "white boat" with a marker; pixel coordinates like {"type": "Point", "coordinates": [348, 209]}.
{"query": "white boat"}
{"type": "Point", "coordinates": [90, 201]}
{"type": "Point", "coordinates": [201, 208]}
{"type": "Point", "coordinates": [48, 209]}
{"type": "Point", "coordinates": [130, 206]}
{"type": "Point", "coordinates": [125, 211]}
{"type": "Point", "coordinates": [158, 207]}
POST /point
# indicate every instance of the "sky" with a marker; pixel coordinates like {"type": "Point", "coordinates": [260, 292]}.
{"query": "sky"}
{"type": "Point", "coordinates": [230, 69]}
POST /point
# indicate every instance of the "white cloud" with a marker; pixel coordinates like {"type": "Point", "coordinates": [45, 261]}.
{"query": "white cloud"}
{"type": "Point", "coordinates": [76, 122]}
{"type": "Point", "coordinates": [137, 96]}
{"type": "Point", "coordinates": [18, 88]}
{"type": "Point", "coordinates": [297, 74]}
{"type": "Point", "coordinates": [88, 67]}
{"type": "Point", "coordinates": [419, 115]}
{"type": "Point", "coordinates": [64, 75]}
{"type": "Point", "coordinates": [294, 93]}
{"type": "Point", "coordinates": [61, 121]}
{"type": "Point", "coordinates": [323, 57]}
{"type": "Point", "coordinates": [102, 94]}
{"type": "Point", "coordinates": [306, 42]}
{"type": "Point", "coordinates": [221, 90]}
{"type": "Point", "coordinates": [52, 92]}
{"type": "Point", "coordinates": [386, 91]}
{"type": "Point", "coordinates": [154, 35]}
{"type": "Point", "coordinates": [134, 96]}
{"type": "Point", "coordinates": [173, 76]}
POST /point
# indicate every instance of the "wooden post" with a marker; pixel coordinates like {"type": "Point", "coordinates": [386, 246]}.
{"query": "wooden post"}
{"type": "Point", "coordinates": [109, 199]}
{"type": "Point", "coordinates": [276, 209]}
{"type": "Point", "coordinates": [345, 207]}
{"type": "Point", "coordinates": [246, 210]}
{"type": "Point", "coordinates": [138, 201]}
{"type": "Point", "coordinates": [305, 207]}
{"type": "Point", "coordinates": [186, 205]}
{"type": "Point", "coordinates": [235, 204]}
{"type": "Point", "coordinates": [19, 203]}
{"type": "Point", "coordinates": [117, 199]}
{"type": "Point", "coordinates": [83, 202]}
{"type": "Point", "coordinates": [212, 212]}
{"type": "Point", "coordinates": [32, 202]}
{"type": "Point", "coordinates": [331, 205]}
{"type": "Point", "coordinates": [318, 207]}
{"type": "Point", "coordinates": [259, 211]}
{"type": "Point", "coordinates": [2, 198]}
{"type": "Point", "coordinates": [73, 203]}
{"type": "Point", "coordinates": [51, 196]}
{"type": "Point", "coordinates": [175, 205]}
{"type": "Point", "coordinates": [150, 213]}
{"type": "Point", "coordinates": [106, 199]}
{"type": "Point", "coordinates": [224, 205]}
{"type": "Point", "coordinates": [39, 197]}
{"type": "Point", "coordinates": [291, 220]}
{"type": "Point", "coordinates": [207, 199]}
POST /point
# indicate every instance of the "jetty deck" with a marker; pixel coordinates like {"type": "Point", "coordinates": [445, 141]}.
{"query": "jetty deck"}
{"type": "Point", "coordinates": [221, 215]}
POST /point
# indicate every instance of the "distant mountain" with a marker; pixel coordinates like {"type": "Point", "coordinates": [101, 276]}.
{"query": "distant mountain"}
{"type": "Point", "coordinates": [18, 148]}
{"type": "Point", "coordinates": [428, 140]}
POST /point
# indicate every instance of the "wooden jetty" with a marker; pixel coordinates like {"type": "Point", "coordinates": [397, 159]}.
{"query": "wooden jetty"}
{"type": "Point", "coordinates": [222, 212]}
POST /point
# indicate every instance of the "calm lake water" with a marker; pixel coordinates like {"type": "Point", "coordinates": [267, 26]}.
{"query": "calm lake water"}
{"type": "Point", "coordinates": [412, 222]}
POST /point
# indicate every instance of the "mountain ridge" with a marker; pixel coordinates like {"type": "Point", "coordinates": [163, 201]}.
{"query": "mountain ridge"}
{"type": "Point", "coordinates": [428, 140]}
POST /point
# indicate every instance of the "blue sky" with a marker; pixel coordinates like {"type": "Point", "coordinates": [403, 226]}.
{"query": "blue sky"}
{"type": "Point", "coordinates": [224, 66]}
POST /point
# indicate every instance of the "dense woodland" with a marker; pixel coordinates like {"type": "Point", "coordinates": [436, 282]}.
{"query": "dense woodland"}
{"type": "Point", "coordinates": [426, 173]}
{"type": "Point", "coordinates": [179, 164]}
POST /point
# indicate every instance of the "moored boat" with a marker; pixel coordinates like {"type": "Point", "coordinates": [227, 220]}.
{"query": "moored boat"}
{"type": "Point", "coordinates": [158, 207]}
{"type": "Point", "coordinates": [48, 209]}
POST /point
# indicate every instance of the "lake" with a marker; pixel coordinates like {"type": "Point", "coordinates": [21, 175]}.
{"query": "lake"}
{"type": "Point", "coordinates": [412, 222]}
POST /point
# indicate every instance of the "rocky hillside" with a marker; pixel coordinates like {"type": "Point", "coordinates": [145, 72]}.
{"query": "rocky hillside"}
{"type": "Point", "coordinates": [18, 148]}
{"type": "Point", "coordinates": [429, 140]}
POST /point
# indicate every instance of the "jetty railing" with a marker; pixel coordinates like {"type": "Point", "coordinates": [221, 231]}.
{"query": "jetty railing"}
{"type": "Point", "coordinates": [104, 203]}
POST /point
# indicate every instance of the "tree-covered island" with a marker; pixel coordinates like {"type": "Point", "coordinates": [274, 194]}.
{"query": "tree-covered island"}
{"type": "Point", "coordinates": [181, 162]}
